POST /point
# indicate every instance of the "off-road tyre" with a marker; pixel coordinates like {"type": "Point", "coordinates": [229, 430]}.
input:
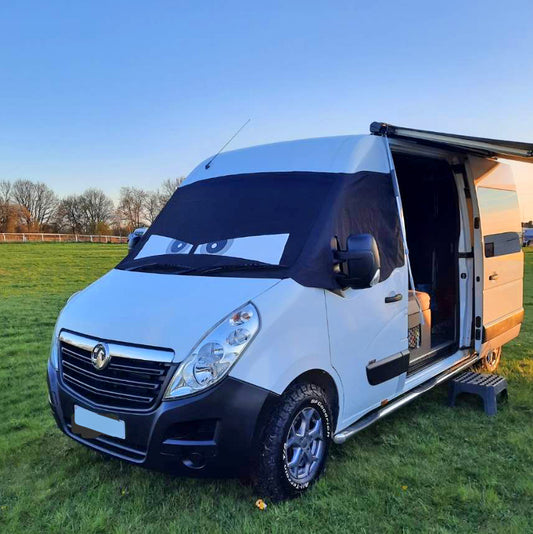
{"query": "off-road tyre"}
{"type": "Point", "coordinates": [490, 361]}
{"type": "Point", "coordinates": [271, 475]}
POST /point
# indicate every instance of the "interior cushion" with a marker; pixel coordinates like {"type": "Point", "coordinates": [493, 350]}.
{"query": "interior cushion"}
{"type": "Point", "coordinates": [423, 298]}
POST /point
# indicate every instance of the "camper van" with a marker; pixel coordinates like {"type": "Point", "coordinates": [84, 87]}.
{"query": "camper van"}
{"type": "Point", "coordinates": [290, 295]}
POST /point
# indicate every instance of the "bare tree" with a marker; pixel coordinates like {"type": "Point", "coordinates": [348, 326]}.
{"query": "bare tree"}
{"type": "Point", "coordinates": [155, 200]}
{"type": "Point", "coordinates": [168, 188]}
{"type": "Point", "coordinates": [5, 191]}
{"type": "Point", "coordinates": [97, 209]}
{"type": "Point", "coordinates": [70, 214]}
{"type": "Point", "coordinates": [5, 204]}
{"type": "Point", "coordinates": [131, 207]}
{"type": "Point", "coordinates": [152, 205]}
{"type": "Point", "coordinates": [37, 200]}
{"type": "Point", "coordinates": [91, 212]}
{"type": "Point", "coordinates": [45, 203]}
{"type": "Point", "coordinates": [28, 205]}
{"type": "Point", "coordinates": [23, 194]}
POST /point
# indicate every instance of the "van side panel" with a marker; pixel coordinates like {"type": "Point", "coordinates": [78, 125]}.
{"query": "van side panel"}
{"type": "Point", "coordinates": [294, 339]}
{"type": "Point", "coordinates": [503, 259]}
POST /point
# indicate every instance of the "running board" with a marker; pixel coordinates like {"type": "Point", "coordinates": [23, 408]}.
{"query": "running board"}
{"type": "Point", "coordinates": [376, 415]}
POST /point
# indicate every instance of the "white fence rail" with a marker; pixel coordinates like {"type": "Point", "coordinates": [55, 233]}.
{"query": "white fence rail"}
{"type": "Point", "coordinates": [59, 238]}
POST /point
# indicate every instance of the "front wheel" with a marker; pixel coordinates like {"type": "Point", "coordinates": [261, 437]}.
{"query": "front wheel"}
{"type": "Point", "coordinates": [292, 453]}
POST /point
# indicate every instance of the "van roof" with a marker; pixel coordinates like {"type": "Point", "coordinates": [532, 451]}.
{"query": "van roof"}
{"type": "Point", "coordinates": [480, 146]}
{"type": "Point", "coordinates": [322, 154]}
{"type": "Point", "coordinates": [344, 153]}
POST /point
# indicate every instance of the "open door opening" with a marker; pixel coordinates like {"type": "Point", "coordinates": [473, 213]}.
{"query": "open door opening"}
{"type": "Point", "coordinates": [432, 220]}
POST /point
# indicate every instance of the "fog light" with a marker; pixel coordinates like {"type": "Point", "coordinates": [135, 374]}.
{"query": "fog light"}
{"type": "Point", "coordinates": [194, 460]}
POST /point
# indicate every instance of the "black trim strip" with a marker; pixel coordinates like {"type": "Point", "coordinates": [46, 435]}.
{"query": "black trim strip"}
{"type": "Point", "coordinates": [390, 367]}
{"type": "Point", "coordinates": [110, 379]}
{"type": "Point", "coordinates": [112, 394]}
{"type": "Point", "coordinates": [465, 254]}
{"type": "Point", "coordinates": [464, 143]}
{"type": "Point", "coordinates": [502, 244]}
{"type": "Point", "coordinates": [434, 355]}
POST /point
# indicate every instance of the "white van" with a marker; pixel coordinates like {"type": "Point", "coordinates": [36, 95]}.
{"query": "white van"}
{"type": "Point", "coordinates": [290, 295]}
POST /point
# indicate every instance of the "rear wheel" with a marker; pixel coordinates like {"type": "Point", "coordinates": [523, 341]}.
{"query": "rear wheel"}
{"type": "Point", "coordinates": [292, 453]}
{"type": "Point", "coordinates": [489, 363]}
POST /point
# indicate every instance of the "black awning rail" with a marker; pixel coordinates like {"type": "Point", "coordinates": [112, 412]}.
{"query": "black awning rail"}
{"type": "Point", "coordinates": [515, 150]}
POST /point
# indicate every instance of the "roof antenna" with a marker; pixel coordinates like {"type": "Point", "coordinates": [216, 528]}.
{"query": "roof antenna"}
{"type": "Point", "coordinates": [208, 164]}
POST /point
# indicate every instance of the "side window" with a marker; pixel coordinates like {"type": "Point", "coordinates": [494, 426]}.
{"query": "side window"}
{"type": "Point", "coordinates": [502, 244]}
{"type": "Point", "coordinates": [369, 207]}
{"type": "Point", "coordinates": [500, 221]}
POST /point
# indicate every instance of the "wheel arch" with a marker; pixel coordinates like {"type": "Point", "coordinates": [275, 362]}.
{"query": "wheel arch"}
{"type": "Point", "coordinates": [327, 383]}
{"type": "Point", "coordinates": [319, 377]}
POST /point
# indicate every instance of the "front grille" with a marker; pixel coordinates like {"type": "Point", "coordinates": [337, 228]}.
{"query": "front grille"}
{"type": "Point", "coordinates": [125, 383]}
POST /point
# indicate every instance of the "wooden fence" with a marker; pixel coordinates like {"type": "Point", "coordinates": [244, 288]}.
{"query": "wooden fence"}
{"type": "Point", "coordinates": [59, 238]}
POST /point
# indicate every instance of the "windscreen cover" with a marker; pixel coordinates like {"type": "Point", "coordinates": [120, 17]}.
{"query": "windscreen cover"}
{"type": "Point", "coordinates": [274, 225]}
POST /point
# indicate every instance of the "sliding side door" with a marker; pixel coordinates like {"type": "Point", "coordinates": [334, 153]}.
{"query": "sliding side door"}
{"type": "Point", "coordinates": [503, 259]}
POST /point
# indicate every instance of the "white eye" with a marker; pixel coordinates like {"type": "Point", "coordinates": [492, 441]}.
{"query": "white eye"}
{"type": "Point", "coordinates": [266, 248]}
{"type": "Point", "coordinates": [178, 247]}
{"type": "Point", "coordinates": [219, 247]}
{"type": "Point", "coordinates": [159, 244]}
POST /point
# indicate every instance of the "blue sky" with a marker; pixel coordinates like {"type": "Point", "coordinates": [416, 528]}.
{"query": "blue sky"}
{"type": "Point", "coordinates": [132, 92]}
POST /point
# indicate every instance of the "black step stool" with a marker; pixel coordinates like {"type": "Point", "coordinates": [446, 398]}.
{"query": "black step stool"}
{"type": "Point", "coordinates": [488, 387]}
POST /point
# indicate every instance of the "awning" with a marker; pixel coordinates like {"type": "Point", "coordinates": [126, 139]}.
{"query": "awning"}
{"type": "Point", "coordinates": [475, 145]}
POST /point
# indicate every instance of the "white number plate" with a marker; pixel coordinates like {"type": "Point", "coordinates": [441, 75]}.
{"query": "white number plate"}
{"type": "Point", "coordinates": [99, 423]}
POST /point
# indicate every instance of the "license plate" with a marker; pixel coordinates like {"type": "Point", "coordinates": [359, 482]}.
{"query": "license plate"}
{"type": "Point", "coordinates": [99, 423]}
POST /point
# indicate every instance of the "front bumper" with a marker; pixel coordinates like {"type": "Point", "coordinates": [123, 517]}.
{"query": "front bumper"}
{"type": "Point", "coordinates": [209, 434]}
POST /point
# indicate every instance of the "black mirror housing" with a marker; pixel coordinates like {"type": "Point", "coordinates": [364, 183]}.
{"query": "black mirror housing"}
{"type": "Point", "coordinates": [360, 261]}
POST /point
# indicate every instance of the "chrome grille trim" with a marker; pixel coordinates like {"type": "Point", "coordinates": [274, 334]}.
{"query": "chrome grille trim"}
{"type": "Point", "coordinates": [134, 379]}
{"type": "Point", "coordinates": [118, 350]}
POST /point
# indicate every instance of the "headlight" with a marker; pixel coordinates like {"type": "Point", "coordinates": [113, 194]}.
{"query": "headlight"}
{"type": "Point", "coordinates": [216, 353]}
{"type": "Point", "coordinates": [54, 351]}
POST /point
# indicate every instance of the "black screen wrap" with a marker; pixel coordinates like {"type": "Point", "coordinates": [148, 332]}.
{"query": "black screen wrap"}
{"type": "Point", "coordinates": [310, 207]}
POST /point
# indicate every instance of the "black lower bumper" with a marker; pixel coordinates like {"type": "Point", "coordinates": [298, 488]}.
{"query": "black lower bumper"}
{"type": "Point", "coordinates": [210, 434]}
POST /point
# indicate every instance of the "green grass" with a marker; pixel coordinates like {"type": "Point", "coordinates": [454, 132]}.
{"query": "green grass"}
{"type": "Point", "coordinates": [425, 468]}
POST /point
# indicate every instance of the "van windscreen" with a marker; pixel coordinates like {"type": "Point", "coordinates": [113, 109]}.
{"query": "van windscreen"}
{"type": "Point", "coordinates": [253, 225]}
{"type": "Point", "coordinates": [271, 225]}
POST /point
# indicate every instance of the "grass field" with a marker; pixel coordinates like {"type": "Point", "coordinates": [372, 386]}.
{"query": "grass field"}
{"type": "Point", "coordinates": [425, 468]}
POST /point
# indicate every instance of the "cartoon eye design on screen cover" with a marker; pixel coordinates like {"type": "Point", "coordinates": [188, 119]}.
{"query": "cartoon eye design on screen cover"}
{"type": "Point", "coordinates": [215, 247]}
{"type": "Point", "coordinates": [178, 247]}
{"type": "Point", "coordinates": [267, 248]}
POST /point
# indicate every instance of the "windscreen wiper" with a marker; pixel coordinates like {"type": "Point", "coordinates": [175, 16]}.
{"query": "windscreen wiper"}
{"type": "Point", "coordinates": [159, 267]}
{"type": "Point", "coordinates": [208, 269]}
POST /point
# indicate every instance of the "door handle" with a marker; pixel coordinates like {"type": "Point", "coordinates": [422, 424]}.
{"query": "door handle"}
{"type": "Point", "coordinates": [493, 276]}
{"type": "Point", "coordinates": [394, 298]}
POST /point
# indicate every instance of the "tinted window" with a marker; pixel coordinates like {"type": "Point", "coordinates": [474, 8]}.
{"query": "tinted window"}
{"type": "Point", "coordinates": [369, 207]}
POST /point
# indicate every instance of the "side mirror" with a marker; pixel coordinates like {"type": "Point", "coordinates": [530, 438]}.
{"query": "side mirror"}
{"type": "Point", "coordinates": [135, 237]}
{"type": "Point", "coordinates": [360, 263]}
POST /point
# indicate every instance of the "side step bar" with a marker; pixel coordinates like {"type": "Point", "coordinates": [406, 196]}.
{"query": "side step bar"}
{"type": "Point", "coordinates": [378, 414]}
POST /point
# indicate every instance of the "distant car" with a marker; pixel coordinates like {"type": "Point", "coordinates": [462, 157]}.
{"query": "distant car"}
{"type": "Point", "coordinates": [527, 237]}
{"type": "Point", "coordinates": [135, 237]}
